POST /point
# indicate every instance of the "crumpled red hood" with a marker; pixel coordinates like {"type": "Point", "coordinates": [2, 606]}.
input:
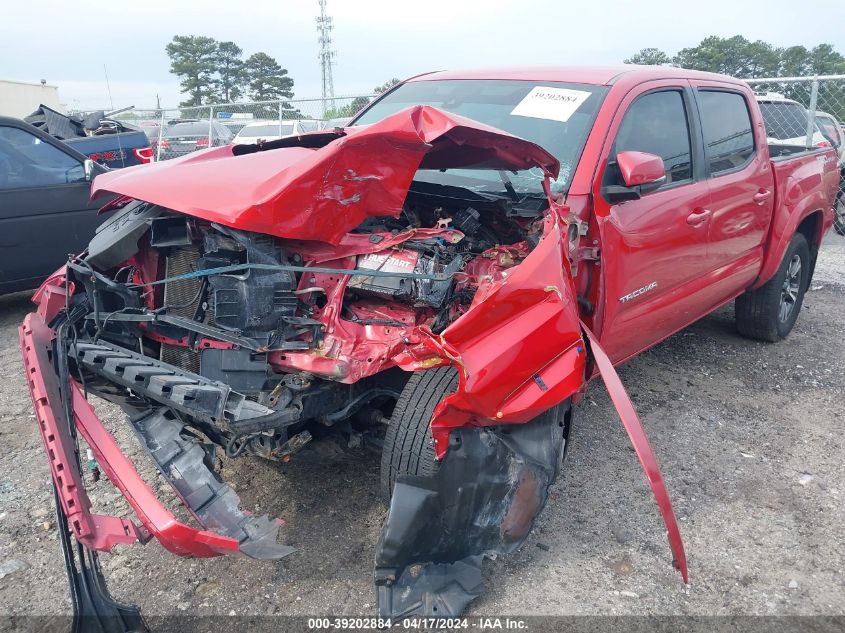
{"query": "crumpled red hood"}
{"type": "Point", "coordinates": [320, 193]}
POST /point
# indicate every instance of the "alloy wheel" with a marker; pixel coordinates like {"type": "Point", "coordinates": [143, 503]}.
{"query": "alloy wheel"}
{"type": "Point", "coordinates": [791, 287]}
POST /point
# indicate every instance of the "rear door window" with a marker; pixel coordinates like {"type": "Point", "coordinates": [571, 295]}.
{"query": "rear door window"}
{"type": "Point", "coordinates": [656, 123]}
{"type": "Point", "coordinates": [726, 125]}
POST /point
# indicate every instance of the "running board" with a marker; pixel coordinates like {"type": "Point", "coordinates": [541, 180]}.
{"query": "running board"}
{"type": "Point", "coordinates": [184, 463]}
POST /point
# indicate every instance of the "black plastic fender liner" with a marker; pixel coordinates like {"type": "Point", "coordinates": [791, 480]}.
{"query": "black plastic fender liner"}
{"type": "Point", "coordinates": [482, 501]}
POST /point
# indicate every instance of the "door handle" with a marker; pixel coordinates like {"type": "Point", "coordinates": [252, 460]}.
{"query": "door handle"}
{"type": "Point", "coordinates": [699, 217]}
{"type": "Point", "coordinates": [761, 196]}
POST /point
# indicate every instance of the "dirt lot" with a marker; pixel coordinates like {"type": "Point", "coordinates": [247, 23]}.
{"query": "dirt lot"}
{"type": "Point", "coordinates": [748, 436]}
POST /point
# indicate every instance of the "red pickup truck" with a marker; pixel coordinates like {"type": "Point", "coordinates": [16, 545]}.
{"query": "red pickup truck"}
{"type": "Point", "coordinates": [439, 279]}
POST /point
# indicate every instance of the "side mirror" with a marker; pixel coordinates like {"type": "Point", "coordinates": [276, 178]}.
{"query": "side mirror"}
{"type": "Point", "coordinates": [640, 168]}
{"type": "Point", "coordinates": [641, 172]}
{"type": "Point", "coordinates": [88, 166]}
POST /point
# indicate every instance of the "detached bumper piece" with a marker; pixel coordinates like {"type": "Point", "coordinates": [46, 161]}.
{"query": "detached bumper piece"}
{"type": "Point", "coordinates": [185, 464]}
{"type": "Point", "coordinates": [207, 497]}
{"type": "Point", "coordinates": [483, 500]}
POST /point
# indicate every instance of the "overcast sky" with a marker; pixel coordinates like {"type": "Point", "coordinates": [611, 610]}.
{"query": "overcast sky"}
{"type": "Point", "coordinates": [68, 42]}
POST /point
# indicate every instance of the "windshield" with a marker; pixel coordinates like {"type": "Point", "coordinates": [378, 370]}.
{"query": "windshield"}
{"type": "Point", "coordinates": [271, 129]}
{"type": "Point", "coordinates": [556, 116]}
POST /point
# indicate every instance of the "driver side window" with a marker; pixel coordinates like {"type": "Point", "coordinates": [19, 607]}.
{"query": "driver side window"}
{"type": "Point", "coordinates": [26, 161]}
{"type": "Point", "coordinates": [656, 123]}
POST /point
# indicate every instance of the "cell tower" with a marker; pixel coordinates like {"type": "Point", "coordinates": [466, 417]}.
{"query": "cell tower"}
{"type": "Point", "coordinates": [326, 55]}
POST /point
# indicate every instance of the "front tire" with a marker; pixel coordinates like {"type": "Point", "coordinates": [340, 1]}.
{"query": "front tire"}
{"type": "Point", "coordinates": [769, 312]}
{"type": "Point", "coordinates": [408, 445]}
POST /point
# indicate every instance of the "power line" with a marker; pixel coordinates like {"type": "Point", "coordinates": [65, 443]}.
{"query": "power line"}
{"type": "Point", "coordinates": [326, 55]}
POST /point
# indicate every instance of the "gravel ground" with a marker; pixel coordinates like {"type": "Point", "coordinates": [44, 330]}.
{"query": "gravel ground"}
{"type": "Point", "coordinates": [747, 434]}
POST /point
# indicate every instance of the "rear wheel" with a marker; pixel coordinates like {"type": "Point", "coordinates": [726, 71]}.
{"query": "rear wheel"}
{"type": "Point", "coordinates": [408, 445]}
{"type": "Point", "coordinates": [769, 312]}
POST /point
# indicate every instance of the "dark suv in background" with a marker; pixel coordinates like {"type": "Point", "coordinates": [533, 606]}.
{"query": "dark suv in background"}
{"type": "Point", "coordinates": [45, 206]}
{"type": "Point", "coordinates": [185, 136]}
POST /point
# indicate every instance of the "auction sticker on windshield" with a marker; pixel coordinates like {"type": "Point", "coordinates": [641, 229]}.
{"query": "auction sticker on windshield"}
{"type": "Point", "coordinates": [555, 104]}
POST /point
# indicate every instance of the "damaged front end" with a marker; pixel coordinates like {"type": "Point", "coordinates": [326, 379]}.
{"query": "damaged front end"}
{"type": "Point", "coordinates": [255, 300]}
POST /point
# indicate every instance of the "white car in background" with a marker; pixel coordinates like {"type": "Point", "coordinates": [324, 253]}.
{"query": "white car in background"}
{"type": "Point", "coordinates": [834, 132]}
{"type": "Point", "coordinates": [330, 124]}
{"type": "Point", "coordinates": [263, 131]}
{"type": "Point", "coordinates": [786, 122]}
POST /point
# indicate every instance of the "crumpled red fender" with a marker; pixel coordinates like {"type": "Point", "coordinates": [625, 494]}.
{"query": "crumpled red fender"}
{"type": "Point", "coordinates": [520, 351]}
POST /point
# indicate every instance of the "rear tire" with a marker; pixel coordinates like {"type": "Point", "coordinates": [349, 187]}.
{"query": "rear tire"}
{"type": "Point", "coordinates": [408, 445]}
{"type": "Point", "coordinates": [769, 312]}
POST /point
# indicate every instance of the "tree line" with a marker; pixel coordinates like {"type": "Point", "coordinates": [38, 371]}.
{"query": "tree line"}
{"type": "Point", "coordinates": [743, 58]}
{"type": "Point", "coordinates": [216, 72]}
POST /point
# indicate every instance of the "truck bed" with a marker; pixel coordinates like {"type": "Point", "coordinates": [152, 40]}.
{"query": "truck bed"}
{"type": "Point", "coordinates": [804, 181]}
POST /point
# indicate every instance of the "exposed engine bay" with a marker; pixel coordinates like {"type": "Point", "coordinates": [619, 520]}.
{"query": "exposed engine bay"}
{"type": "Point", "coordinates": [297, 337]}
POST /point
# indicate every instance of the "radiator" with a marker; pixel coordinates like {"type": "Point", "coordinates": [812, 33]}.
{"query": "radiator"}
{"type": "Point", "coordinates": [181, 297]}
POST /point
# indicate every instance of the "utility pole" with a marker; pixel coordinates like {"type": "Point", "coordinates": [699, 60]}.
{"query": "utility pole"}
{"type": "Point", "coordinates": [326, 56]}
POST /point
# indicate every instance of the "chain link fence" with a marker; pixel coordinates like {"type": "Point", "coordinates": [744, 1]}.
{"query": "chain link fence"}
{"type": "Point", "coordinates": [804, 108]}
{"type": "Point", "coordinates": [178, 131]}
{"type": "Point", "coordinates": [806, 112]}
{"type": "Point", "coordinates": [799, 110]}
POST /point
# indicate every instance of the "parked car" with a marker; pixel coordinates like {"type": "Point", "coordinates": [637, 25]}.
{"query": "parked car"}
{"type": "Point", "coordinates": [786, 123]}
{"type": "Point", "coordinates": [182, 137]}
{"type": "Point", "coordinates": [45, 206]}
{"type": "Point", "coordinates": [262, 131]}
{"type": "Point", "coordinates": [152, 131]}
{"type": "Point", "coordinates": [235, 125]}
{"type": "Point", "coordinates": [835, 133]}
{"type": "Point", "coordinates": [115, 151]}
{"type": "Point", "coordinates": [328, 124]}
{"type": "Point", "coordinates": [106, 141]}
{"type": "Point", "coordinates": [301, 126]}
{"type": "Point", "coordinates": [440, 280]}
